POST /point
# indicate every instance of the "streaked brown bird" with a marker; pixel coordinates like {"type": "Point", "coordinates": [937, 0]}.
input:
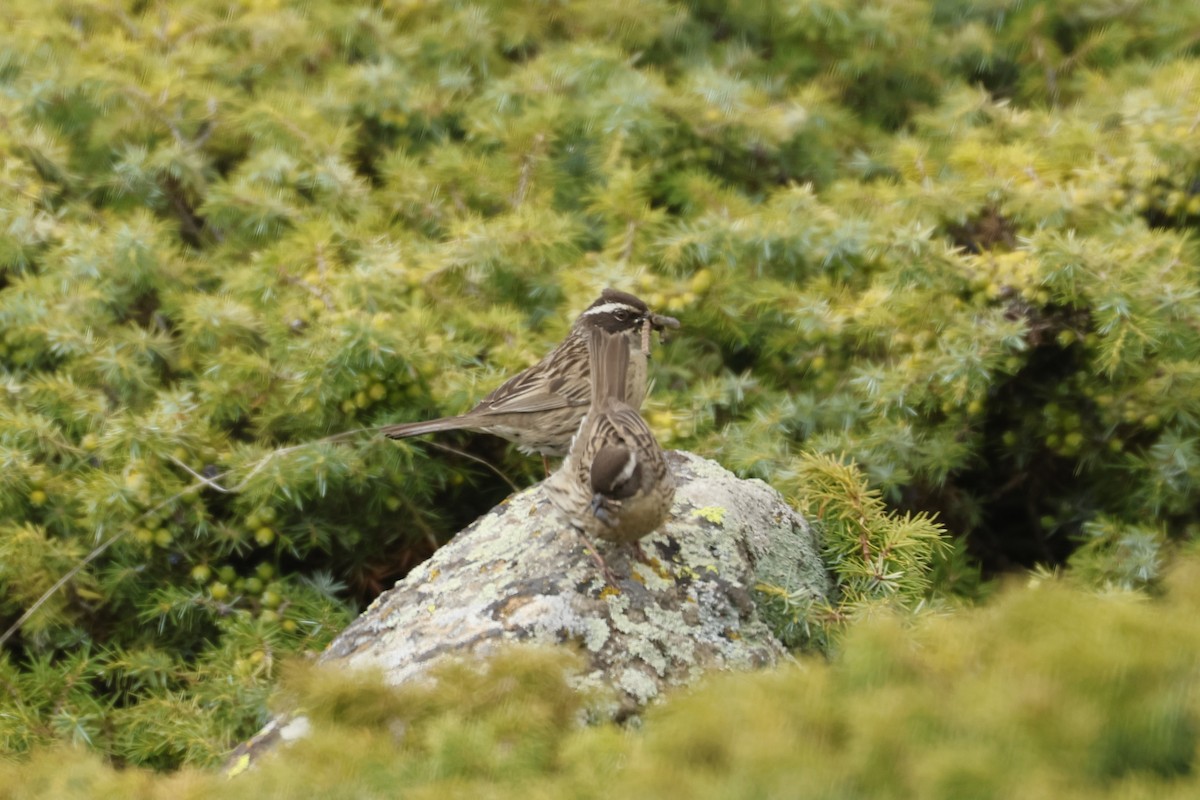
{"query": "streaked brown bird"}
{"type": "Point", "coordinates": [614, 483]}
{"type": "Point", "coordinates": [540, 409]}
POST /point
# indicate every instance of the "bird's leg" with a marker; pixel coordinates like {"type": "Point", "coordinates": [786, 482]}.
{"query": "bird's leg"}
{"type": "Point", "coordinates": [639, 553]}
{"type": "Point", "coordinates": [546, 465]}
{"type": "Point", "coordinates": [599, 559]}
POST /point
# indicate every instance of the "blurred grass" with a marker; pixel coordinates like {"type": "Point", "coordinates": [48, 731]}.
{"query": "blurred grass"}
{"type": "Point", "coordinates": [1049, 691]}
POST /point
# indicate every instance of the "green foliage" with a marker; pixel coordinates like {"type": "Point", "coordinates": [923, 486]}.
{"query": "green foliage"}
{"type": "Point", "coordinates": [227, 231]}
{"type": "Point", "coordinates": [878, 559]}
{"type": "Point", "coordinates": [1034, 379]}
{"type": "Point", "coordinates": [1003, 701]}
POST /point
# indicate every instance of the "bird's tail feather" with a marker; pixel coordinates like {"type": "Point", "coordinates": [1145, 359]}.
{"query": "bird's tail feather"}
{"type": "Point", "coordinates": [406, 429]}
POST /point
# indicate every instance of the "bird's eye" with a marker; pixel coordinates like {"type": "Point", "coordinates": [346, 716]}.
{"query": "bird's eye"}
{"type": "Point", "coordinates": [621, 314]}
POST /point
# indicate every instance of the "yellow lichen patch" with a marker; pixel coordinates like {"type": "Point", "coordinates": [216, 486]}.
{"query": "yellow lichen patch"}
{"type": "Point", "coordinates": [660, 569]}
{"type": "Point", "coordinates": [239, 766]}
{"type": "Point", "coordinates": [713, 514]}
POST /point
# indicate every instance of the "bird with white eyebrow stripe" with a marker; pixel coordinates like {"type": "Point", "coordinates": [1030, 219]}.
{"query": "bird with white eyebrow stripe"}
{"type": "Point", "coordinates": [614, 483]}
{"type": "Point", "coordinates": [540, 409]}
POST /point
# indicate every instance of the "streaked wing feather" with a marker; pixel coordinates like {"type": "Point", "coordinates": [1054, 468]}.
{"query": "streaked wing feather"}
{"type": "Point", "coordinates": [541, 388]}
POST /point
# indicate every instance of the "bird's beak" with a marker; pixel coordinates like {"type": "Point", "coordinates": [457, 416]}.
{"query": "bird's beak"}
{"type": "Point", "coordinates": [600, 512]}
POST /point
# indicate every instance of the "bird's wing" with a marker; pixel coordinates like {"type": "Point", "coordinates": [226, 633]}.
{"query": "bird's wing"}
{"type": "Point", "coordinates": [539, 389]}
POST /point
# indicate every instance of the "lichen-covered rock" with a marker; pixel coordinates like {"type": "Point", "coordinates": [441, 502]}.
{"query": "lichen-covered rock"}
{"type": "Point", "coordinates": [520, 574]}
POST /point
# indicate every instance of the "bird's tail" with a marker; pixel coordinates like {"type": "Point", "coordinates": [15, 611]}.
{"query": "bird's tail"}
{"type": "Point", "coordinates": [608, 355]}
{"type": "Point", "coordinates": [406, 429]}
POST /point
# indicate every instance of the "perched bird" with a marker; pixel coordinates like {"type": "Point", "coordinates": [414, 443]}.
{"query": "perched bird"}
{"type": "Point", "coordinates": [540, 409]}
{"type": "Point", "coordinates": [614, 483]}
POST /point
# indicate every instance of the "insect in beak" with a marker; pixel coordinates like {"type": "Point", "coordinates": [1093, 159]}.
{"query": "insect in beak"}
{"type": "Point", "coordinates": [656, 322]}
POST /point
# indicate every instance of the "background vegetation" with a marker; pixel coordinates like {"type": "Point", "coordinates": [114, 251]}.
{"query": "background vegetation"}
{"type": "Point", "coordinates": [949, 243]}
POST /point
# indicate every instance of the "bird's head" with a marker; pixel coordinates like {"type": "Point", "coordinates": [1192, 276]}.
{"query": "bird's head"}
{"type": "Point", "coordinates": [622, 313]}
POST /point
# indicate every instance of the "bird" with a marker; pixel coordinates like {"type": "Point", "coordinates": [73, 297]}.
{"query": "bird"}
{"type": "Point", "coordinates": [614, 483]}
{"type": "Point", "coordinates": [540, 409]}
